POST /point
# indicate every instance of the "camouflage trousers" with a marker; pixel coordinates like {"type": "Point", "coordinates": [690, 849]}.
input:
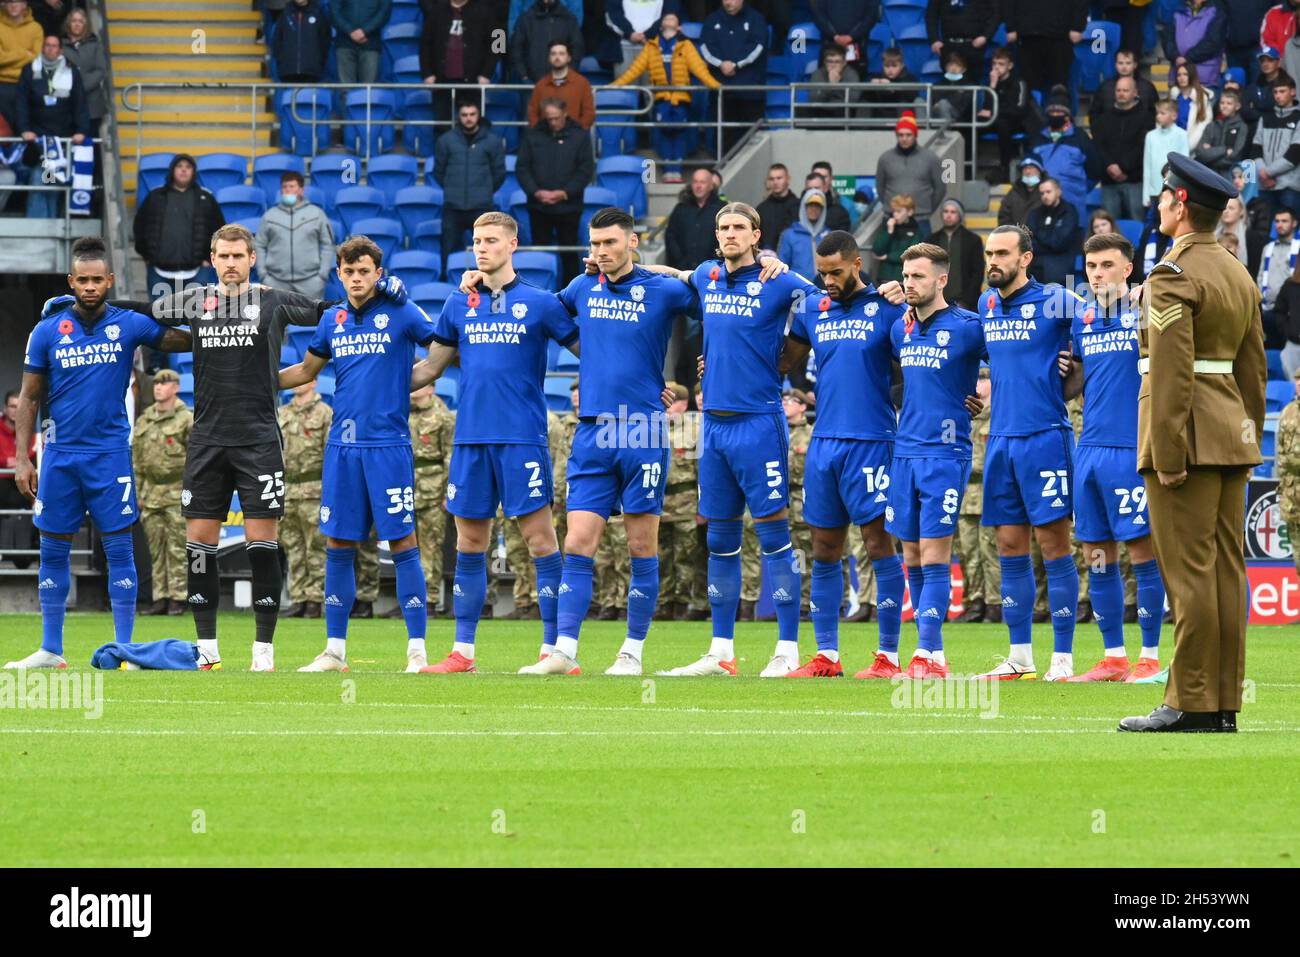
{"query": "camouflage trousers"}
{"type": "Point", "coordinates": [613, 567]}
{"type": "Point", "coordinates": [367, 565]}
{"type": "Point", "coordinates": [430, 527]}
{"type": "Point", "coordinates": [521, 564]}
{"type": "Point", "coordinates": [751, 559]}
{"type": "Point", "coordinates": [699, 600]}
{"type": "Point", "coordinates": [679, 558]}
{"type": "Point", "coordinates": [866, 574]}
{"type": "Point", "coordinates": [164, 529]}
{"type": "Point", "coordinates": [977, 549]}
{"type": "Point", "coordinates": [304, 549]}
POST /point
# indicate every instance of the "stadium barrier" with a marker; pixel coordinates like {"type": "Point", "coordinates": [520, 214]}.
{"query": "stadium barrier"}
{"type": "Point", "coordinates": [42, 184]}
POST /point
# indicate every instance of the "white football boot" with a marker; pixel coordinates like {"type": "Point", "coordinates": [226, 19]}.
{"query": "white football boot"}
{"type": "Point", "coordinates": [1008, 670]}
{"type": "Point", "coordinates": [263, 656]}
{"type": "Point", "coordinates": [415, 661]}
{"type": "Point", "coordinates": [1062, 667]}
{"type": "Point", "coordinates": [624, 664]}
{"type": "Point", "coordinates": [556, 663]}
{"type": "Point", "coordinates": [707, 665]}
{"type": "Point", "coordinates": [40, 658]}
{"type": "Point", "coordinates": [326, 662]}
{"type": "Point", "coordinates": [778, 667]}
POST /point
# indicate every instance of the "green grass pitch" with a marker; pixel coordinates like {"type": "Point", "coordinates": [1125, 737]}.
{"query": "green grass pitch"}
{"type": "Point", "coordinates": [379, 768]}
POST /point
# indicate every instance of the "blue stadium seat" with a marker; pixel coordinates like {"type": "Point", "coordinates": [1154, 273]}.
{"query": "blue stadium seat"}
{"type": "Point", "coordinates": [902, 16]}
{"type": "Point", "coordinates": [788, 68]}
{"type": "Point", "coordinates": [334, 291]}
{"type": "Point", "coordinates": [457, 263]}
{"type": "Point", "coordinates": [566, 361]}
{"type": "Point", "coordinates": [417, 109]}
{"type": "Point", "coordinates": [594, 199]}
{"type": "Point", "coordinates": [380, 106]}
{"type": "Point", "coordinates": [1093, 199]}
{"type": "Point", "coordinates": [268, 168]}
{"type": "Point", "coordinates": [596, 74]}
{"type": "Point", "coordinates": [400, 40]}
{"type": "Point", "coordinates": [1268, 449]}
{"type": "Point", "coordinates": [426, 236]}
{"type": "Point", "coordinates": [615, 140]}
{"type": "Point", "coordinates": [339, 231]}
{"type": "Point", "coordinates": [1131, 230]}
{"type": "Point", "coordinates": [305, 120]}
{"type": "Point", "coordinates": [289, 353]}
{"type": "Point", "coordinates": [915, 44]}
{"type": "Point", "coordinates": [557, 390]}
{"type": "Point", "coordinates": [219, 170]}
{"type": "Point", "coordinates": [386, 231]}
{"type": "Point", "coordinates": [431, 295]}
{"type": "Point", "coordinates": [1275, 370]}
{"type": "Point", "coordinates": [405, 11]}
{"type": "Point", "coordinates": [390, 174]}
{"type": "Point", "coordinates": [540, 269]}
{"type": "Point", "coordinates": [415, 266]}
{"type": "Point", "coordinates": [184, 361]}
{"type": "Point", "coordinates": [358, 202]}
{"type": "Point", "coordinates": [407, 70]}
{"type": "Point", "coordinates": [151, 174]}
{"type": "Point", "coordinates": [301, 337]}
{"type": "Point", "coordinates": [1278, 395]}
{"type": "Point", "coordinates": [1236, 74]}
{"type": "Point", "coordinates": [692, 30]}
{"type": "Point", "coordinates": [448, 390]}
{"type": "Point", "coordinates": [187, 382]}
{"type": "Point", "coordinates": [241, 202]}
{"type": "Point", "coordinates": [325, 386]}
{"type": "Point", "coordinates": [623, 176]}
{"type": "Point", "coordinates": [519, 210]}
{"type": "Point", "coordinates": [417, 204]}
{"type": "Point", "coordinates": [932, 72]}
{"type": "Point", "coordinates": [331, 172]}
{"type": "Point", "coordinates": [804, 47]}
{"type": "Point", "coordinates": [880, 38]}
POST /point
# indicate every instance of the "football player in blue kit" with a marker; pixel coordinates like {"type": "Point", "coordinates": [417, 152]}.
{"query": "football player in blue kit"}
{"type": "Point", "coordinates": [78, 365]}
{"type": "Point", "coordinates": [847, 469]}
{"type": "Point", "coordinates": [369, 472]}
{"type": "Point", "coordinates": [501, 337]}
{"type": "Point", "coordinates": [939, 347]}
{"type": "Point", "coordinates": [1110, 502]}
{"type": "Point", "coordinates": [1028, 471]}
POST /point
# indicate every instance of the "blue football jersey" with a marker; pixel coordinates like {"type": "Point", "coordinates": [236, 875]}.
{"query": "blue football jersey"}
{"type": "Point", "coordinates": [854, 363]}
{"type": "Point", "coordinates": [502, 338]}
{"type": "Point", "coordinates": [1108, 346]}
{"type": "Point", "coordinates": [744, 333]}
{"type": "Point", "coordinates": [88, 370]}
{"type": "Point", "coordinates": [940, 359]}
{"type": "Point", "coordinates": [372, 349]}
{"type": "Point", "coordinates": [625, 327]}
{"type": "Point", "coordinates": [1023, 334]}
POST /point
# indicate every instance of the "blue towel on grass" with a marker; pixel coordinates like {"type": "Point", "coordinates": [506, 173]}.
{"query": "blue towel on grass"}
{"type": "Point", "coordinates": [170, 654]}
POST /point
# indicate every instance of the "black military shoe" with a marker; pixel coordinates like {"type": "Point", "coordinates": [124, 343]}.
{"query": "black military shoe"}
{"type": "Point", "coordinates": [1165, 718]}
{"type": "Point", "coordinates": [1041, 615]}
{"type": "Point", "coordinates": [974, 611]}
{"type": "Point", "coordinates": [175, 606]}
{"type": "Point", "coordinates": [993, 615]}
{"type": "Point", "coordinates": [608, 613]}
{"type": "Point", "coordinates": [746, 611]}
{"type": "Point", "coordinates": [697, 614]}
{"type": "Point", "coordinates": [157, 608]}
{"type": "Point", "coordinates": [311, 609]}
{"type": "Point", "coordinates": [1083, 614]}
{"type": "Point", "coordinates": [1228, 722]}
{"type": "Point", "coordinates": [293, 611]}
{"type": "Point", "coordinates": [394, 612]}
{"type": "Point", "coordinates": [1130, 614]}
{"type": "Point", "coordinates": [362, 609]}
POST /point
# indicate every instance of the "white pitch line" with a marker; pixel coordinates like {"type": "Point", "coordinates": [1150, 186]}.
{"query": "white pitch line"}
{"type": "Point", "coordinates": [705, 733]}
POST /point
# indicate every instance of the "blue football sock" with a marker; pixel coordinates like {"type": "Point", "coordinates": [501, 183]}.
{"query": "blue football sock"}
{"type": "Point", "coordinates": [915, 583]}
{"type": "Point", "coordinates": [1151, 601]}
{"type": "Point", "coordinates": [825, 596]}
{"type": "Point", "coordinates": [642, 596]}
{"type": "Point", "coordinates": [340, 590]}
{"type": "Point", "coordinates": [575, 596]}
{"type": "Point", "coordinates": [1063, 596]}
{"type": "Point", "coordinates": [936, 596]}
{"type": "Point", "coordinates": [469, 590]}
{"type": "Point", "coordinates": [724, 538]}
{"type": "Point", "coordinates": [782, 566]}
{"type": "Point", "coordinates": [548, 569]}
{"type": "Point", "coordinates": [56, 580]}
{"type": "Point", "coordinates": [1106, 590]}
{"type": "Point", "coordinates": [889, 601]}
{"type": "Point", "coordinates": [1018, 597]}
{"type": "Point", "coordinates": [412, 592]}
{"type": "Point", "coordinates": [122, 585]}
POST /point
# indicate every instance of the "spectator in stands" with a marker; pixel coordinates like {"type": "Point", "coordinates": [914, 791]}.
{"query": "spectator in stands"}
{"type": "Point", "coordinates": [733, 42]}
{"type": "Point", "coordinates": [1230, 242]}
{"type": "Point", "coordinates": [83, 50]}
{"type": "Point", "coordinates": [1195, 104]}
{"type": "Point", "coordinates": [1247, 16]}
{"type": "Point", "coordinates": [1046, 31]}
{"type": "Point", "coordinates": [302, 42]}
{"type": "Point", "coordinates": [1023, 196]}
{"type": "Point", "coordinates": [173, 229]}
{"type": "Point", "coordinates": [1287, 313]}
{"type": "Point", "coordinates": [357, 26]}
{"type": "Point", "coordinates": [780, 208]}
{"type": "Point", "coordinates": [900, 230]}
{"type": "Point", "coordinates": [1226, 138]}
{"type": "Point", "coordinates": [1250, 246]}
{"type": "Point", "coordinates": [532, 35]}
{"type": "Point", "coordinates": [1131, 17]}
{"type": "Point", "coordinates": [1055, 225]}
{"type": "Point", "coordinates": [717, 185]}
{"type": "Point", "coordinates": [1279, 263]}
{"type": "Point", "coordinates": [1258, 95]}
{"type": "Point", "coordinates": [965, 255]}
{"type": "Point", "coordinates": [670, 59]}
{"type": "Point", "coordinates": [1119, 135]}
{"type": "Point", "coordinates": [629, 21]}
{"type": "Point", "coordinates": [689, 238]}
{"type": "Point", "coordinates": [51, 102]}
{"type": "Point", "coordinates": [10, 497]}
{"type": "Point", "coordinates": [833, 68]}
{"type": "Point", "coordinates": [798, 245]}
{"type": "Point", "coordinates": [519, 7]}
{"type": "Point", "coordinates": [1126, 65]}
{"type": "Point", "coordinates": [456, 45]}
{"type": "Point", "coordinates": [566, 84]}
{"type": "Point", "coordinates": [50, 14]}
{"type": "Point", "coordinates": [1279, 24]}
{"type": "Point", "coordinates": [1067, 152]}
{"type": "Point", "coordinates": [1273, 148]}
{"type": "Point", "coordinates": [1199, 39]}
{"type": "Point", "coordinates": [961, 26]}
{"type": "Point", "coordinates": [295, 242]}
{"type": "Point", "coordinates": [1016, 112]}
{"type": "Point", "coordinates": [20, 43]}
{"type": "Point", "coordinates": [1164, 138]}
{"type": "Point", "coordinates": [953, 106]}
{"type": "Point", "coordinates": [469, 163]}
{"type": "Point", "coordinates": [847, 24]}
{"type": "Point", "coordinates": [883, 101]}
{"type": "Point", "coordinates": [912, 169]}
{"type": "Point", "coordinates": [837, 214]}
{"type": "Point", "coordinates": [555, 166]}
{"type": "Point", "coordinates": [1100, 223]}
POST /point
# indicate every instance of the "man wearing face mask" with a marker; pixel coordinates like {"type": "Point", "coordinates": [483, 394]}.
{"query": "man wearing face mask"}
{"type": "Point", "coordinates": [1023, 196]}
{"type": "Point", "coordinates": [295, 243]}
{"type": "Point", "coordinates": [1067, 151]}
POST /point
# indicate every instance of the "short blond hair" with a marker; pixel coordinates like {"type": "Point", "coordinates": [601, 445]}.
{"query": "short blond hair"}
{"type": "Point", "coordinates": [231, 233]}
{"type": "Point", "coordinates": [497, 218]}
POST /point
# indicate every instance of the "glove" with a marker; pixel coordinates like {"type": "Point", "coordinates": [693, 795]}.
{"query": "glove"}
{"type": "Point", "coordinates": [56, 304]}
{"type": "Point", "coordinates": [392, 288]}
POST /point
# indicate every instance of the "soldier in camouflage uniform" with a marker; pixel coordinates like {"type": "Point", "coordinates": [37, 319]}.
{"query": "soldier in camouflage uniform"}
{"type": "Point", "coordinates": [305, 423]}
{"type": "Point", "coordinates": [560, 463]}
{"type": "Point", "coordinates": [751, 570]}
{"type": "Point", "coordinates": [367, 566]}
{"type": "Point", "coordinates": [613, 572]}
{"type": "Point", "coordinates": [158, 443]}
{"type": "Point", "coordinates": [977, 545]}
{"type": "Point", "coordinates": [517, 556]}
{"type": "Point", "coordinates": [1287, 470]}
{"type": "Point", "coordinates": [795, 403]}
{"type": "Point", "coordinates": [679, 547]}
{"type": "Point", "coordinates": [699, 609]}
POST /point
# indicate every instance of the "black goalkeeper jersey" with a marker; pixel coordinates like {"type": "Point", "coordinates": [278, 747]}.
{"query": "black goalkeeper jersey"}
{"type": "Point", "coordinates": [237, 344]}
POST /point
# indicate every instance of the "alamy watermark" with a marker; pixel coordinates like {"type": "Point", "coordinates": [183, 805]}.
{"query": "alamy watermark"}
{"type": "Point", "coordinates": [49, 690]}
{"type": "Point", "coordinates": [955, 694]}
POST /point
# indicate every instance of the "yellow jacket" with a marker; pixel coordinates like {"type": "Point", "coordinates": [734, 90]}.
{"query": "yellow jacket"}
{"type": "Point", "coordinates": [20, 44]}
{"type": "Point", "coordinates": [687, 62]}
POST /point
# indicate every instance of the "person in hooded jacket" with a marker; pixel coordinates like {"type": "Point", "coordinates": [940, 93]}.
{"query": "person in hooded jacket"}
{"type": "Point", "coordinates": [799, 241]}
{"type": "Point", "coordinates": [173, 229]}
